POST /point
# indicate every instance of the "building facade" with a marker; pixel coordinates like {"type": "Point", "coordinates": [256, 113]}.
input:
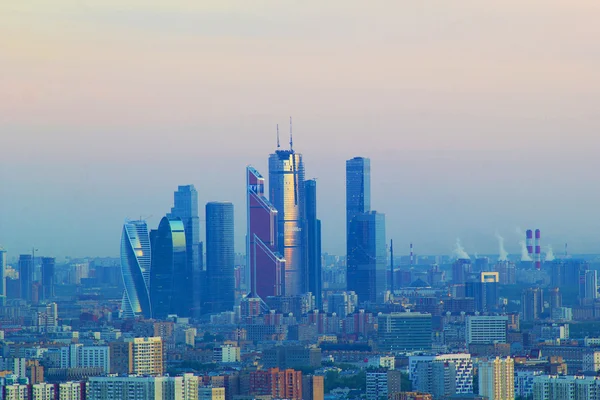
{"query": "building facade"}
{"type": "Point", "coordinates": [497, 378]}
{"type": "Point", "coordinates": [136, 258]}
{"type": "Point", "coordinates": [220, 257]}
{"type": "Point", "coordinates": [313, 226]}
{"type": "Point", "coordinates": [486, 329]}
{"type": "Point", "coordinates": [405, 331]}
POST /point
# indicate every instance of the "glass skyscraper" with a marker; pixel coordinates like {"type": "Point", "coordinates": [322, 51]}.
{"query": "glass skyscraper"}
{"type": "Point", "coordinates": [185, 207]}
{"type": "Point", "coordinates": [135, 267]}
{"type": "Point", "coordinates": [48, 264]}
{"type": "Point", "coordinates": [286, 192]}
{"type": "Point", "coordinates": [170, 284]}
{"type": "Point", "coordinates": [266, 266]}
{"type": "Point", "coordinates": [367, 261]}
{"type": "Point", "coordinates": [313, 227]}
{"type": "Point", "coordinates": [358, 188]}
{"type": "Point", "coordinates": [220, 257]}
{"type": "Point", "coordinates": [26, 275]}
{"type": "Point", "coordinates": [2, 276]}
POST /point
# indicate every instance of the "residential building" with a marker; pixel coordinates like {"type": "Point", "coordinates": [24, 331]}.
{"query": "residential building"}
{"type": "Point", "coordinates": [463, 367]}
{"type": "Point", "coordinates": [497, 379]}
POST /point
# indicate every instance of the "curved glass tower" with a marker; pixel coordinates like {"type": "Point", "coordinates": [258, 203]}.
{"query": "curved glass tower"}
{"type": "Point", "coordinates": [135, 268]}
{"type": "Point", "coordinates": [170, 284]}
{"type": "Point", "coordinates": [286, 192]}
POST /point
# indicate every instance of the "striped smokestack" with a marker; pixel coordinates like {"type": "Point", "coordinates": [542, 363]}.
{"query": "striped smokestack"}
{"type": "Point", "coordinates": [411, 255]}
{"type": "Point", "coordinates": [529, 242]}
{"type": "Point", "coordinates": [538, 249]}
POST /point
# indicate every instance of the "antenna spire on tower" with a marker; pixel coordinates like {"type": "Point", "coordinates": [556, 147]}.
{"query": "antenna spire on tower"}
{"type": "Point", "coordinates": [291, 137]}
{"type": "Point", "coordinates": [278, 146]}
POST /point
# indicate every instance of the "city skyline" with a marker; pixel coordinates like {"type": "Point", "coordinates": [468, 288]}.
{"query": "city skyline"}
{"type": "Point", "coordinates": [464, 119]}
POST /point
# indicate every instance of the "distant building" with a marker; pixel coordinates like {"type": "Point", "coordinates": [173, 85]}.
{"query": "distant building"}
{"type": "Point", "coordinates": [48, 265]}
{"type": "Point", "coordinates": [80, 356]}
{"type": "Point", "coordinates": [226, 354]}
{"type": "Point", "coordinates": [407, 331]}
{"type": "Point", "coordinates": [463, 367]}
{"type": "Point", "coordinates": [26, 275]}
{"type": "Point", "coordinates": [367, 261]}
{"type": "Point", "coordinates": [313, 236]}
{"type": "Point", "coordinates": [170, 278]}
{"type": "Point", "coordinates": [486, 329]}
{"type": "Point", "coordinates": [565, 387]}
{"type": "Point", "coordinates": [139, 356]}
{"type": "Point", "coordinates": [497, 379]}
{"type": "Point", "coordinates": [220, 257]}
{"type": "Point", "coordinates": [313, 387]}
{"type": "Point", "coordinates": [135, 267]}
{"type": "Point", "coordinates": [532, 303]}
{"type": "Point", "coordinates": [211, 393]}
{"type": "Point", "coordinates": [280, 384]}
{"type": "Point", "coordinates": [143, 387]}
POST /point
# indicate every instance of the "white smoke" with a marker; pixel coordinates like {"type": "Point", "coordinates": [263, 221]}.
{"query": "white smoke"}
{"type": "Point", "coordinates": [460, 252]}
{"type": "Point", "coordinates": [524, 253]}
{"type": "Point", "coordinates": [549, 254]}
{"type": "Point", "coordinates": [503, 254]}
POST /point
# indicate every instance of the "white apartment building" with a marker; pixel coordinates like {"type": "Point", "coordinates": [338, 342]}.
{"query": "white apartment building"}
{"type": "Point", "coordinates": [78, 355]}
{"type": "Point", "coordinates": [143, 388]}
{"type": "Point", "coordinates": [463, 365]}
{"type": "Point", "coordinates": [562, 387]}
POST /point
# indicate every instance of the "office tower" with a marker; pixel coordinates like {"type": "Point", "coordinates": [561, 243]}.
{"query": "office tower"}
{"type": "Point", "coordinates": [313, 226]}
{"type": "Point", "coordinates": [463, 366]}
{"type": "Point", "coordinates": [497, 379]}
{"type": "Point", "coordinates": [588, 286]}
{"type": "Point", "coordinates": [358, 189]}
{"type": "Point", "coordinates": [436, 377]}
{"type": "Point", "coordinates": [486, 329]}
{"type": "Point", "coordinates": [532, 304]}
{"type": "Point", "coordinates": [286, 192]}
{"type": "Point", "coordinates": [135, 268]}
{"type": "Point", "coordinates": [26, 275]}
{"type": "Point", "coordinates": [484, 290]}
{"type": "Point", "coordinates": [266, 266]}
{"type": "Point", "coordinates": [406, 331]}
{"type": "Point", "coordinates": [367, 261]}
{"type": "Point", "coordinates": [170, 283]}
{"type": "Point", "coordinates": [2, 276]}
{"type": "Point", "coordinates": [185, 207]}
{"type": "Point", "coordinates": [48, 277]}
{"type": "Point", "coordinates": [220, 256]}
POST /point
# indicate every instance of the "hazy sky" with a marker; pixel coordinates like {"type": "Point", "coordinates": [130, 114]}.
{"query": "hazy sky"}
{"type": "Point", "coordinates": [478, 116]}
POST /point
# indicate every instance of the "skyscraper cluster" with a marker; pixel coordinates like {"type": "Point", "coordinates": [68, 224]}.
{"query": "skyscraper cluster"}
{"type": "Point", "coordinates": [163, 270]}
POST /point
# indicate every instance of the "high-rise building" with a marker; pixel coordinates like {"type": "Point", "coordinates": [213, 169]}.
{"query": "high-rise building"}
{"type": "Point", "coordinates": [80, 356]}
{"type": "Point", "coordinates": [486, 329]}
{"type": "Point", "coordinates": [438, 378]}
{"type": "Point", "coordinates": [2, 276]}
{"type": "Point", "coordinates": [185, 207]}
{"type": "Point", "coordinates": [26, 275]}
{"type": "Point", "coordinates": [170, 282]}
{"type": "Point", "coordinates": [358, 189]}
{"type": "Point", "coordinates": [280, 384]}
{"type": "Point", "coordinates": [377, 384]}
{"type": "Point", "coordinates": [313, 226]}
{"type": "Point", "coordinates": [460, 270]}
{"type": "Point", "coordinates": [220, 256]}
{"type": "Point", "coordinates": [286, 192]}
{"type": "Point", "coordinates": [405, 331]}
{"type": "Point", "coordinates": [147, 355]}
{"type": "Point", "coordinates": [266, 267]}
{"type": "Point", "coordinates": [497, 378]}
{"type": "Point", "coordinates": [48, 277]}
{"type": "Point", "coordinates": [367, 261]}
{"type": "Point", "coordinates": [143, 387]}
{"type": "Point", "coordinates": [532, 303]}
{"type": "Point", "coordinates": [588, 286]}
{"type": "Point", "coordinates": [484, 290]}
{"type": "Point", "coordinates": [463, 367]}
{"type": "Point", "coordinates": [566, 387]}
{"type": "Point", "coordinates": [135, 267]}
{"type": "Point", "coordinates": [313, 387]}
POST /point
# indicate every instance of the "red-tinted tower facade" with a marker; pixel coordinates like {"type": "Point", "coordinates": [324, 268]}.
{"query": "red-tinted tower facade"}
{"type": "Point", "coordinates": [266, 266]}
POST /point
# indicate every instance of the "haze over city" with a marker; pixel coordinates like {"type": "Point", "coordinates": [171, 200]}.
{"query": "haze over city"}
{"type": "Point", "coordinates": [478, 117]}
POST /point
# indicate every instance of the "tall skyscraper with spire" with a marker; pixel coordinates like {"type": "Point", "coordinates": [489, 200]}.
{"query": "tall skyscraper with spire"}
{"type": "Point", "coordinates": [286, 192]}
{"type": "Point", "coordinates": [136, 256]}
{"type": "Point", "coordinates": [185, 207]}
{"type": "Point", "coordinates": [266, 266]}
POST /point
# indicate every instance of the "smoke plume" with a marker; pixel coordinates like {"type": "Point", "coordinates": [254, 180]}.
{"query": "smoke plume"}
{"type": "Point", "coordinates": [549, 254]}
{"type": "Point", "coordinates": [460, 252]}
{"type": "Point", "coordinates": [501, 251]}
{"type": "Point", "coordinates": [524, 253]}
